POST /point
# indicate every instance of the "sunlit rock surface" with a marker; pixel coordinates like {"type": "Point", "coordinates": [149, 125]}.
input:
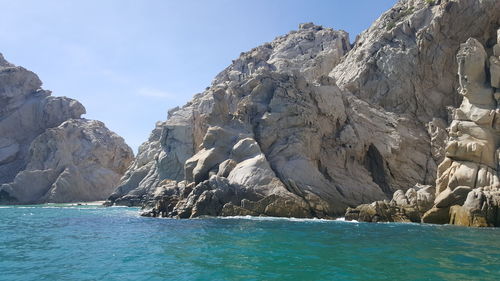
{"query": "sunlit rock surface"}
{"type": "Point", "coordinates": [308, 125]}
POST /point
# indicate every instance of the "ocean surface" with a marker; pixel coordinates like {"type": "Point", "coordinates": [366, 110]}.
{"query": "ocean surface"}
{"type": "Point", "coordinates": [62, 242]}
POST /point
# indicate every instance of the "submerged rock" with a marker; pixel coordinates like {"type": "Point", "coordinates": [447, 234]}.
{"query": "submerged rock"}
{"type": "Point", "coordinates": [47, 152]}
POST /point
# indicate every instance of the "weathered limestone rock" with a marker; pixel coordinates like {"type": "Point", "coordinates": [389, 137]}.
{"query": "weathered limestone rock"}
{"type": "Point", "coordinates": [216, 197]}
{"type": "Point", "coordinates": [468, 187]}
{"type": "Point", "coordinates": [312, 50]}
{"type": "Point", "coordinates": [49, 154]}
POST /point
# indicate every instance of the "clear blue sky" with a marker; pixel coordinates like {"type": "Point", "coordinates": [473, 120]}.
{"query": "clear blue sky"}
{"type": "Point", "coordinates": [128, 61]}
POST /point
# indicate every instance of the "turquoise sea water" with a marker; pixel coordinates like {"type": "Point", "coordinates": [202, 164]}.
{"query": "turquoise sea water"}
{"type": "Point", "coordinates": [58, 242]}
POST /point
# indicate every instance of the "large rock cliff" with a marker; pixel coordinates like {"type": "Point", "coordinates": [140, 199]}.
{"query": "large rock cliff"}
{"type": "Point", "coordinates": [306, 126]}
{"type": "Point", "coordinates": [467, 187]}
{"type": "Point", "coordinates": [47, 152]}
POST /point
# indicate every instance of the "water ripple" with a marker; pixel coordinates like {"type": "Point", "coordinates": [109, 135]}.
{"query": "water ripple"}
{"type": "Point", "coordinates": [96, 243]}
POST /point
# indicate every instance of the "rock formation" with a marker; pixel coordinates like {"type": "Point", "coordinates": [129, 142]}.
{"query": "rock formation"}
{"type": "Point", "coordinates": [467, 185]}
{"type": "Point", "coordinates": [468, 188]}
{"type": "Point", "coordinates": [229, 135]}
{"type": "Point", "coordinates": [306, 126]}
{"type": "Point", "coordinates": [47, 152]}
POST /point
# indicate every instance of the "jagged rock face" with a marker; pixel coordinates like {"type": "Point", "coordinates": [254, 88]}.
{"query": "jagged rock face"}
{"type": "Point", "coordinates": [49, 154]}
{"type": "Point", "coordinates": [405, 64]}
{"type": "Point", "coordinates": [312, 51]}
{"type": "Point", "coordinates": [468, 187]}
{"type": "Point", "coordinates": [325, 132]}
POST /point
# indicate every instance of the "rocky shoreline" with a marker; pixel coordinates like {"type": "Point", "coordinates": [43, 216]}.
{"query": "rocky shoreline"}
{"type": "Point", "coordinates": [306, 126]}
{"type": "Point", "coordinates": [309, 126]}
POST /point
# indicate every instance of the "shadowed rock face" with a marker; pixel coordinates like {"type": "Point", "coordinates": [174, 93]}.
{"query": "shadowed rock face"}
{"type": "Point", "coordinates": [305, 126]}
{"type": "Point", "coordinates": [467, 185]}
{"type": "Point", "coordinates": [49, 154]}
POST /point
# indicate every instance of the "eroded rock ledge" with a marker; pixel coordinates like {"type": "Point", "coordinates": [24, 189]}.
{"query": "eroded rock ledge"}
{"type": "Point", "coordinates": [467, 185]}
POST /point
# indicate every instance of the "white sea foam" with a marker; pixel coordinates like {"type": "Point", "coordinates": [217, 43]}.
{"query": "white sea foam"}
{"type": "Point", "coordinates": [90, 203]}
{"type": "Point", "coordinates": [287, 219]}
{"type": "Point", "coordinates": [314, 220]}
{"type": "Point", "coordinates": [343, 220]}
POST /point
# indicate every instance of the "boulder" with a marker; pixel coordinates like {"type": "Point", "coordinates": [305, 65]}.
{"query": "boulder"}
{"type": "Point", "coordinates": [404, 207]}
{"type": "Point", "coordinates": [437, 215]}
{"type": "Point", "coordinates": [450, 197]}
{"type": "Point", "coordinates": [471, 162]}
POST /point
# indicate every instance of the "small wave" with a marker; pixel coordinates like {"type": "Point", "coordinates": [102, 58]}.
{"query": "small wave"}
{"type": "Point", "coordinates": [275, 219]}
{"type": "Point", "coordinates": [78, 207]}
{"type": "Point", "coordinates": [90, 203]}
{"type": "Point", "coordinates": [73, 207]}
{"type": "Point", "coordinates": [344, 220]}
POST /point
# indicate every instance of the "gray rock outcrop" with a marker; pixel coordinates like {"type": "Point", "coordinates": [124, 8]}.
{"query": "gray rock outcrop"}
{"type": "Point", "coordinates": [47, 152]}
{"type": "Point", "coordinates": [467, 187]}
{"type": "Point", "coordinates": [306, 126]}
